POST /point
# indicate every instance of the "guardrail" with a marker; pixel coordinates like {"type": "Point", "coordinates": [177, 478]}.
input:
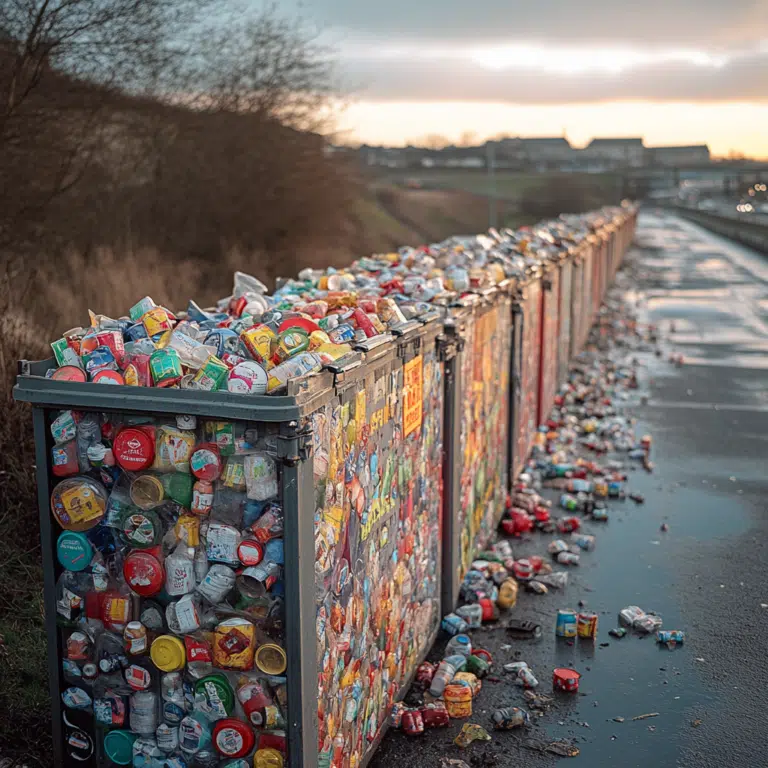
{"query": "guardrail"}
{"type": "Point", "coordinates": [753, 234]}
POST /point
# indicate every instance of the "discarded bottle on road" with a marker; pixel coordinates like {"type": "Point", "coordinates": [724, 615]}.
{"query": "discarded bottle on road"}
{"type": "Point", "coordinates": [460, 644]}
{"type": "Point", "coordinates": [453, 624]}
{"type": "Point", "coordinates": [478, 666]}
{"type": "Point", "coordinates": [472, 614]}
{"type": "Point", "coordinates": [568, 558]}
{"type": "Point", "coordinates": [443, 675]}
{"type": "Point", "coordinates": [526, 678]}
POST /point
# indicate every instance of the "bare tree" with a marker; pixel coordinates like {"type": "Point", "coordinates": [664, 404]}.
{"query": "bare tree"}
{"type": "Point", "coordinates": [266, 65]}
{"type": "Point", "coordinates": [434, 141]}
{"type": "Point", "coordinates": [61, 61]}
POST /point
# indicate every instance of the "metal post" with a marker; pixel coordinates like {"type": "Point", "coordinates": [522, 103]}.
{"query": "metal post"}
{"type": "Point", "coordinates": [490, 148]}
{"type": "Point", "coordinates": [451, 483]}
{"type": "Point", "coordinates": [48, 550]}
{"type": "Point", "coordinates": [298, 492]}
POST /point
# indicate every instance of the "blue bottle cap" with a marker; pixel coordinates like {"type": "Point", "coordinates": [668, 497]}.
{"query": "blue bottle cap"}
{"type": "Point", "coordinates": [74, 551]}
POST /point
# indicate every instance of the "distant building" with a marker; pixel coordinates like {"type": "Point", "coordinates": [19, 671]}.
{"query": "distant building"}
{"type": "Point", "coordinates": [678, 156]}
{"type": "Point", "coordinates": [542, 152]}
{"type": "Point", "coordinates": [615, 153]}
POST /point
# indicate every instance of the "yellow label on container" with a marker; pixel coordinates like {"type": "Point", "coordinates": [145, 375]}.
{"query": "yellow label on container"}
{"type": "Point", "coordinates": [413, 386]}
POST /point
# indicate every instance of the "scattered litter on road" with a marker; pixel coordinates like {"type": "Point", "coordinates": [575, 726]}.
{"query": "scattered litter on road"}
{"type": "Point", "coordinates": [560, 748]}
{"type": "Point", "coordinates": [471, 732]}
{"type": "Point", "coordinates": [645, 717]}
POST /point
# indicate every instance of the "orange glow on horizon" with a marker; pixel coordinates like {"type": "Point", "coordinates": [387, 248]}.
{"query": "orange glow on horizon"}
{"type": "Point", "coordinates": [725, 127]}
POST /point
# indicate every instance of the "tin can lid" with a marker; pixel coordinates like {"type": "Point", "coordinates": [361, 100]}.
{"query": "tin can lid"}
{"type": "Point", "coordinates": [119, 746]}
{"type": "Point", "coordinates": [74, 551]}
{"type": "Point", "coordinates": [268, 758]}
{"type": "Point", "coordinates": [70, 373]}
{"type": "Point", "coordinates": [134, 449]}
{"type": "Point", "coordinates": [108, 377]}
{"type": "Point", "coordinates": [147, 491]}
{"type": "Point", "coordinates": [143, 573]}
{"type": "Point", "coordinates": [141, 528]}
{"type": "Point", "coordinates": [249, 552]}
{"type": "Point", "coordinates": [248, 378]}
{"type": "Point", "coordinates": [168, 653]}
{"type": "Point", "coordinates": [78, 503]}
{"type": "Point", "coordinates": [233, 738]}
{"type": "Point", "coordinates": [205, 463]}
{"type": "Point", "coordinates": [271, 659]}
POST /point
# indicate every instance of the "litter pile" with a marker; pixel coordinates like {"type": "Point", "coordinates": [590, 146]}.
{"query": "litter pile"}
{"type": "Point", "coordinates": [583, 453]}
{"type": "Point", "coordinates": [254, 343]}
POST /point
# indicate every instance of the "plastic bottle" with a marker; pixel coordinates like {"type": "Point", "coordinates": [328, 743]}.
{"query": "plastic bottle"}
{"type": "Point", "coordinates": [202, 498]}
{"type": "Point", "coordinates": [459, 644]}
{"type": "Point", "coordinates": [444, 674]}
{"type": "Point", "coordinates": [180, 571]}
{"type": "Point", "coordinates": [144, 712]}
{"type": "Point", "coordinates": [88, 434]}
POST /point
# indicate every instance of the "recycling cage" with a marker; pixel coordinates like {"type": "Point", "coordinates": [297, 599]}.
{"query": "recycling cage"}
{"type": "Point", "coordinates": [477, 429]}
{"type": "Point", "coordinates": [587, 273]}
{"type": "Point", "coordinates": [549, 342]}
{"type": "Point", "coordinates": [526, 367]}
{"type": "Point", "coordinates": [360, 462]}
{"type": "Point", "coordinates": [577, 298]}
{"type": "Point", "coordinates": [565, 327]}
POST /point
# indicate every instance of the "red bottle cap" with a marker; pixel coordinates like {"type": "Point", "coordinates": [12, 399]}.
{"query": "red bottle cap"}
{"type": "Point", "coordinates": [143, 573]}
{"type": "Point", "coordinates": [134, 449]}
{"type": "Point", "coordinates": [70, 373]}
{"type": "Point", "coordinates": [233, 738]}
{"type": "Point", "coordinates": [108, 377]}
{"type": "Point", "coordinates": [250, 552]}
{"type": "Point", "coordinates": [299, 322]}
{"type": "Point", "coordinates": [205, 463]}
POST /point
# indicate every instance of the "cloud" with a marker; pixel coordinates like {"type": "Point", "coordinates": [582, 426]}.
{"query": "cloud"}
{"type": "Point", "coordinates": [460, 78]}
{"type": "Point", "coordinates": [652, 22]}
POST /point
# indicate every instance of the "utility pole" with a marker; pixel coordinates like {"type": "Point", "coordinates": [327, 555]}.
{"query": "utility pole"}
{"type": "Point", "coordinates": [491, 164]}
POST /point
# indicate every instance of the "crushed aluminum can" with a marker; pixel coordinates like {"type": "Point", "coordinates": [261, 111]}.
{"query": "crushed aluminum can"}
{"type": "Point", "coordinates": [412, 722]}
{"type": "Point", "coordinates": [670, 636]}
{"type": "Point", "coordinates": [453, 624]}
{"type": "Point", "coordinates": [435, 715]}
{"type": "Point", "coordinates": [526, 678]}
{"type": "Point", "coordinates": [471, 732]}
{"type": "Point", "coordinates": [586, 625]}
{"type": "Point", "coordinates": [396, 714]}
{"type": "Point", "coordinates": [568, 558]}
{"type": "Point", "coordinates": [510, 717]}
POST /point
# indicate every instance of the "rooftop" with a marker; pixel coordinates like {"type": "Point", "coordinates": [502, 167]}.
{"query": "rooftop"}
{"type": "Point", "coordinates": [621, 142]}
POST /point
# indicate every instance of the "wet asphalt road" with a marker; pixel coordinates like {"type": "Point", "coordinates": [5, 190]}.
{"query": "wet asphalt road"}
{"type": "Point", "coordinates": [708, 575]}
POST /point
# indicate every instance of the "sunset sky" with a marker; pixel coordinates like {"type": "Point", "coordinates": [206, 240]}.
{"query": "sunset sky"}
{"type": "Point", "coordinates": [674, 71]}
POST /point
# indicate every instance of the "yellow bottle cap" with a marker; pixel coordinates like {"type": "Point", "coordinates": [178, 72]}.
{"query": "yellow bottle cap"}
{"type": "Point", "coordinates": [168, 653]}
